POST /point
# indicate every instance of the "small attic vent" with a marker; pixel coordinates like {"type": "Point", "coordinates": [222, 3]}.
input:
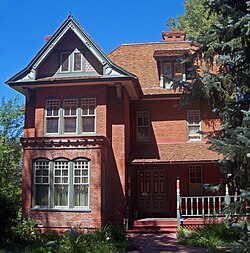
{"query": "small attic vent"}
{"type": "Point", "coordinates": [174, 36]}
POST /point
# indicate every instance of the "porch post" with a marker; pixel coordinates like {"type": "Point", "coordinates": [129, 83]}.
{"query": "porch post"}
{"type": "Point", "coordinates": [227, 197]}
{"type": "Point", "coordinates": [178, 203]}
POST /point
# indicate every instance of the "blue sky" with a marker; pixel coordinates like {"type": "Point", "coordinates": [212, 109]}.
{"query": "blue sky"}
{"type": "Point", "coordinates": [25, 23]}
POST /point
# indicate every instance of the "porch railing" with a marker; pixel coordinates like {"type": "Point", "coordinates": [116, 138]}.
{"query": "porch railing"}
{"type": "Point", "coordinates": [202, 205]}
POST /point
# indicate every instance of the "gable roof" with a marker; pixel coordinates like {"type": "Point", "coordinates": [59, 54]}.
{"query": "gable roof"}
{"type": "Point", "coordinates": [139, 59]}
{"type": "Point", "coordinates": [28, 74]}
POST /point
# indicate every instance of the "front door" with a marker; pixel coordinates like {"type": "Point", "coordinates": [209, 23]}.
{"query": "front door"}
{"type": "Point", "coordinates": [151, 191]}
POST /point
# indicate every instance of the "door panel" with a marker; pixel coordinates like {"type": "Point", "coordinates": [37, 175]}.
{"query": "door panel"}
{"type": "Point", "coordinates": [152, 190]}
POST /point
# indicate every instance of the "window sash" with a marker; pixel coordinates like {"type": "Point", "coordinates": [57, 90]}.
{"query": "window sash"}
{"type": "Point", "coordinates": [52, 114]}
{"type": "Point", "coordinates": [77, 61]}
{"type": "Point", "coordinates": [81, 183]}
{"type": "Point", "coordinates": [70, 115]}
{"type": "Point", "coordinates": [88, 113]}
{"type": "Point", "coordinates": [142, 121]}
{"type": "Point", "coordinates": [193, 125]}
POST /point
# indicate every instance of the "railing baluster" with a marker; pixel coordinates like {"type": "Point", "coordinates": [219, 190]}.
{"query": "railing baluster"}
{"type": "Point", "coordinates": [205, 205]}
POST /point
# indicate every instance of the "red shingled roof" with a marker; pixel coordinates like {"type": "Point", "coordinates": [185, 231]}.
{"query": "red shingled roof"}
{"type": "Point", "coordinates": [139, 60]}
{"type": "Point", "coordinates": [175, 153]}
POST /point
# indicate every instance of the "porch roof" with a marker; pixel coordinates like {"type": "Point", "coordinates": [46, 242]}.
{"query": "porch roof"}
{"type": "Point", "coordinates": [175, 153]}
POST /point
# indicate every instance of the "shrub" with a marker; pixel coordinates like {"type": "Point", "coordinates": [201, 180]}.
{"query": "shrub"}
{"type": "Point", "coordinates": [9, 205]}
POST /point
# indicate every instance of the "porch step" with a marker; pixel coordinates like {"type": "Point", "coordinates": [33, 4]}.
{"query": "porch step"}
{"type": "Point", "coordinates": [155, 225]}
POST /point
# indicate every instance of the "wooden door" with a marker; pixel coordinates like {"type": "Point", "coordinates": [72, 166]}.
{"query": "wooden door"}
{"type": "Point", "coordinates": [152, 191]}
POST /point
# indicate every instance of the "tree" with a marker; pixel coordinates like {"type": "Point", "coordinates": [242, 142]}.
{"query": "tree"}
{"type": "Point", "coordinates": [226, 41]}
{"type": "Point", "coordinates": [11, 125]}
{"type": "Point", "coordinates": [194, 20]}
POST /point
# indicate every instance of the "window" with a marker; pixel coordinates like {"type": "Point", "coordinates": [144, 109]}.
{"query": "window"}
{"type": "Point", "coordinates": [88, 106]}
{"type": "Point", "coordinates": [52, 116]}
{"type": "Point", "coordinates": [75, 117]}
{"type": "Point", "coordinates": [70, 115]}
{"type": "Point", "coordinates": [61, 183]}
{"type": "Point", "coordinates": [64, 62]}
{"type": "Point", "coordinates": [171, 70]}
{"type": "Point", "coordinates": [193, 125]}
{"type": "Point", "coordinates": [71, 61]}
{"type": "Point", "coordinates": [195, 179]}
{"type": "Point", "coordinates": [142, 121]}
{"type": "Point", "coordinates": [77, 61]}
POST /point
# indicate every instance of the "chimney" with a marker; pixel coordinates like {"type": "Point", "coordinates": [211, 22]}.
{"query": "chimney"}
{"type": "Point", "coordinates": [174, 36]}
{"type": "Point", "coordinates": [47, 38]}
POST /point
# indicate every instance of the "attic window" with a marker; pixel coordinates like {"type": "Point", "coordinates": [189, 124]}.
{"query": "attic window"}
{"type": "Point", "coordinates": [77, 61]}
{"type": "Point", "coordinates": [71, 62]}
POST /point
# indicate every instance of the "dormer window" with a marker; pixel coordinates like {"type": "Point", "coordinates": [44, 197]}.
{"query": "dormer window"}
{"type": "Point", "coordinates": [171, 71]}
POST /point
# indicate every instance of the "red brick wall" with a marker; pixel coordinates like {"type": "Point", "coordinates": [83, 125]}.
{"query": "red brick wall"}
{"type": "Point", "coordinates": [86, 219]}
{"type": "Point", "coordinates": [37, 112]}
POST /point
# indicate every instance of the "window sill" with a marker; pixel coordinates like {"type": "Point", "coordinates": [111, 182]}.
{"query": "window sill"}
{"type": "Point", "coordinates": [39, 209]}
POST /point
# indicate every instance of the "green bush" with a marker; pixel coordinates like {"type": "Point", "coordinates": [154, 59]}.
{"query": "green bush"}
{"type": "Point", "coordinates": [9, 205]}
{"type": "Point", "coordinates": [210, 236]}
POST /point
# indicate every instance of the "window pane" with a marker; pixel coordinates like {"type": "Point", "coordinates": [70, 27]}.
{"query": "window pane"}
{"type": "Point", "coordinates": [143, 134]}
{"type": "Point", "coordinates": [52, 107]}
{"type": "Point", "coordinates": [167, 71]}
{"type": "Point", "coordinates": [81, 195]}
{"type": "Point", "coordinates": [77, 61]}
{"type": "Point", "coordinates": [65, 62]}
{"type": "Point", "coordinates": [88, 124]}
{"type": "Point", "coordinates": [52, 125]}
{"type": "Point", "coordinates": [41, 193]}
{"type": "Point", "coordinates": [61, 195]}
{"type": "Point", "coordinates": [70, 125]}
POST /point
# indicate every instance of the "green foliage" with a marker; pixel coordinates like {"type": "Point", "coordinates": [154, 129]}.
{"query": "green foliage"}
{"type": "Point", "coordinates": [24, 229]}
{"type": "Point", "coordinates": [9, 206]}
{"type": "Point", "coordinates": [193, 21]}
{"type": "Point", "coordinates": [226, 42]}
{"type": "Point", "coordinates": [11, 123]}
{"type": "Point", "coordinates": [209, 236]}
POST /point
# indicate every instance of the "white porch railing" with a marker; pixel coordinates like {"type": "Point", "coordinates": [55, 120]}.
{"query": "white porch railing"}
{"type": "Point", "coordinates": [202, 205]}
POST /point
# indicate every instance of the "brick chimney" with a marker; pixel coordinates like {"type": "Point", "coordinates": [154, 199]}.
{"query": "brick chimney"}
{"type": "Point", "coordinates": [174, 36]}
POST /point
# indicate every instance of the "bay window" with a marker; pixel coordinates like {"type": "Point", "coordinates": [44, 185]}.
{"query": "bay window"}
{"type": "Point", "coordinates": [61, 183]}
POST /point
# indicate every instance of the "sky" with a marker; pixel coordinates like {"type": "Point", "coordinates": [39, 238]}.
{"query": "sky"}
{"type": "Point", "coordinates": [25, 23]}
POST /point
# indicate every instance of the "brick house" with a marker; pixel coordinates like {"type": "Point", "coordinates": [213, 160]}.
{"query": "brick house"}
{"type": "Point", "coordinates": [105, 137]}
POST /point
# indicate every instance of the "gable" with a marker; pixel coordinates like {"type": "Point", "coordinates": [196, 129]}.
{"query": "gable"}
{"type": "Point", "coordinates": [69, 37]}
{"type": "Point", "coordinates": [70, 46]}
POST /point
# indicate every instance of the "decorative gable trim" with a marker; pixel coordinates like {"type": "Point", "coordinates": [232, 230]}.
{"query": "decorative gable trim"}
{"type": "Point", "coordinates": [109, 68]}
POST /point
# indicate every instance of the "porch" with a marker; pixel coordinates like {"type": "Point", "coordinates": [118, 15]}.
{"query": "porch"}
{"type": "Point", "coordinates": [191, 212]}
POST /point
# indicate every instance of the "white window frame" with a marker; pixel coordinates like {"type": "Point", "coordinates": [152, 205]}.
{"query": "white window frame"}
{"type": "Point", "coordinates": [47, 117]}
{"type": "Point", "coordinates": [70, 115]}
{"type": "Point", "coordinates": [143, 125]}
{"type": "Point", "coordinates": [195, 188]}
{"type": "Point", "coordinates": [197, 136]}
{"type": "Point", "coordinates": [90, 101]}
{"type": "Point", "coordinates": [52, 183]}
{"type": "Point", "coordinates": [61, 62]}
